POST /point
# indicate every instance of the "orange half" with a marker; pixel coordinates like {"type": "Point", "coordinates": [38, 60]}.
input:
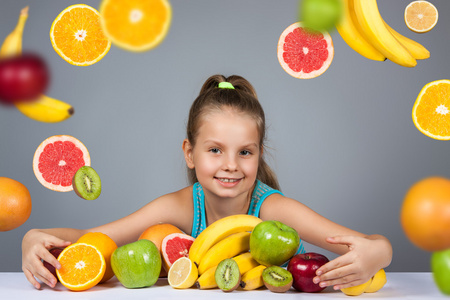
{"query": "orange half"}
{"type": "Point", "coordinates": [82, 267]}
{"type": "Point", "coordinates": [77, 36]}
{"type": "Point", "coordinates": [431, 111]}
{"type": "Point", "coordinates": [136, 25]}
{"type": "Point", "coordinates": [421, 16]}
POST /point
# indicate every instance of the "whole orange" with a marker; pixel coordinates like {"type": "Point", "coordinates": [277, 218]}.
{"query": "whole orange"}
{"type": "Point", "coordinates": [15, 204]}
{"type": "Point", "coordinates": [156, 233]}
{"type": "Point", "coordinates": [105, 245]}
{"type": "Point", "coordinates": [425, 214]}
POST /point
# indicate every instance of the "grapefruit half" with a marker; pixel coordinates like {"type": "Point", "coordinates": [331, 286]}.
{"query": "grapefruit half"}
{"type": "Point", "coordinates": [174, 246]}
{"type": "Point", "coordinates": [56, 161]}
{"type": "Point", "coordinates": [304, 53]}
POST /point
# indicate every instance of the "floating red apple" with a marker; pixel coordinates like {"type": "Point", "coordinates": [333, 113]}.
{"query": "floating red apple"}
{"type": "Point", "coordinates": [303, 268]}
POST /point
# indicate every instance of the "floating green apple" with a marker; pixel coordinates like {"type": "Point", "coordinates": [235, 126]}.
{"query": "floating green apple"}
{"type": "Point", "coordinates": [137, 264]}
{"type": "Point", "coordinates": [273, 243]}
{"type": "Point", "coordinates": [440, 266]}
{"type": "Point", "coordinates": [320, 14]}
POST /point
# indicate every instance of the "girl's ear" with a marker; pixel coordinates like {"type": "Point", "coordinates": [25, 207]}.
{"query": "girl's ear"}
{"type": "Point", "coordinates": [187, 149]}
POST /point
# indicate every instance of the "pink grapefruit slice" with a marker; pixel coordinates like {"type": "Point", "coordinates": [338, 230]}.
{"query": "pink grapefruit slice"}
{"type": "Point", "coordinates": [304, 53]}
{"type": "Point", "coordinates": [174, 246]}
{"type": "Point", "coordinates": [56, 161]}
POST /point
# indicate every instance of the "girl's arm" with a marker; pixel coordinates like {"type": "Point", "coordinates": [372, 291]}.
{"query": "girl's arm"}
{"type": "Point", "coordinates": [37, 242]}
{"type": "Point", "coordinates": [361, 255]}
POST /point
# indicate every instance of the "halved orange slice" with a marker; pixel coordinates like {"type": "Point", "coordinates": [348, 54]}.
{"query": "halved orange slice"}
{"type": "Point", "coordinates": [421, 16]}
{"type": "Point", "coordinates": [77, 36]}
{"type": "Point", "coordinates": [431, 111]}
{"type": "Point", "coordinates": [136, 25]}
{"type": "Point", "coordinates": [82, 266]}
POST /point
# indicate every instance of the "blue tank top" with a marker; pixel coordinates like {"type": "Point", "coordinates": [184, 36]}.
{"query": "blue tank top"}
{"type": "Point", "coordinates": [260, 193]}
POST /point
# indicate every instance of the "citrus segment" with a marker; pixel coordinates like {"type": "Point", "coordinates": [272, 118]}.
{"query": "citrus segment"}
{"type": "Point", "coordinates": [304, 53]}
{"type": "Point", "coordinates": [174, 246]}
{"type": "Point", "coordinates": [421, 16]}
{"type": "Point", "coordinates": [82, 266]}
{"type": "Point", "coordinates": [431, 110]}
{"type": "Point", "coordinates": [182, 274]}
{"type": "Point", "coordinates": [77, 36]}
{"type": "Point", "coordinates": [105, 245]}
{"type": "Point", "coordinates": [136, 25]}
{"type": "Point", "coordinates": [15, 204]}
{"type": "Point", "coordinates": [56, 161]}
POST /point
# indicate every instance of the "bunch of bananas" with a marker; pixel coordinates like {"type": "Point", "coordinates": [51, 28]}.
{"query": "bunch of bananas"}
{"type": "Point", "coordinates": [44, 109]}
{"type": "Point", "coordinates": [364, 30]}
{"type": "Point", "coordinates": [226, 238]}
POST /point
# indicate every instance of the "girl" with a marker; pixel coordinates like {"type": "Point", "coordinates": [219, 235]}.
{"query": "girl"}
{"type": "Point", "coordinates": [224, 154]}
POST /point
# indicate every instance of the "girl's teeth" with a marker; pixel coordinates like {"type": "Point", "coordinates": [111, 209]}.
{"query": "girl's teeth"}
{"type": "Point", "coordinates": [227, 180]}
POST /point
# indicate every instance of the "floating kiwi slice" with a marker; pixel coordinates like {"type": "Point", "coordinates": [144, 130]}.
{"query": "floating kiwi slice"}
{"type": "Point", "coordinates": [277, 279]}
{"type": "Point", "coordinates": [86, 183]}
{"type": "Point", "coordinates": [227, 275]}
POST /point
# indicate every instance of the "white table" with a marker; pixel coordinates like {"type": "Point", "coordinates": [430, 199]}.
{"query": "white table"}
{"type": "Point", "coordinates": [398, 286]}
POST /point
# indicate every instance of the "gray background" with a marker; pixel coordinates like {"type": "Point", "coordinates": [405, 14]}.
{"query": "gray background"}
{"type": "Point", "coordinates": [342, 143]}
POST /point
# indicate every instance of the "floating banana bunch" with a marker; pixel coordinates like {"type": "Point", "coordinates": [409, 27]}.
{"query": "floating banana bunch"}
{"type": "Point", "coordinates": [218, 231]}
{"type": "Point", "coordinates": [365, 31]}
{"type": "Point", "coordinates": [44, 109]}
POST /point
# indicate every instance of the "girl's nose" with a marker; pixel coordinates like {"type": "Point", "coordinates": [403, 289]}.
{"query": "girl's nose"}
{"type": "Point", "coordinates": [230, 163]}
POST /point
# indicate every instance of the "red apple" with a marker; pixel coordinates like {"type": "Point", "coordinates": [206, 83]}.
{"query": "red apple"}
{"type": "Point", "coordinates": [22, 78]}
{"type": "Point", "coordinates": [55, 252]}
{"type": "Point", "coordinates": [303, 268]}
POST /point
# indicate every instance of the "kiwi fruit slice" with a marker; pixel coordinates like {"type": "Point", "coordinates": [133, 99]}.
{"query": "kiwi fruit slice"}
{"type": "Point", "coordinates": [86, 183]}
{"type": "Point", "coordinates": [277, 279]}
{"type": "Point", "coordinates": [227, 275]}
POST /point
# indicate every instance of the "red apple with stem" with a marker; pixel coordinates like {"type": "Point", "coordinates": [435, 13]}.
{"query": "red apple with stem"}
{"type": "Point", "coordinates": [303, 268]}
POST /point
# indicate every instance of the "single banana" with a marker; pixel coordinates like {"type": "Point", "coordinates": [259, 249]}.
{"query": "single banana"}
{"type": "Point", "coordinates": [12, 45]}
{"type": "Point", "coordinates": [219, 230]}
{"type": "Point", "coordinates": [417, 50]}
{"type": "Point", "coordinates": [44, 109]}
{"type": "Point", "coordinates": [348, 28]}
{"type": "Point", "coordinates": [207, 280]}
{"type": "Point", "coordinates": [376, 32]}
{"type": "Point", "coordinates": [227, 248]}
{"type": "Point", "coordinates": [252, 279]}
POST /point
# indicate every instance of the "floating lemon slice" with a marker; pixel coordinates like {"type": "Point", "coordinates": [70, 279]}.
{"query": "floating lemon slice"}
{"type": "Point", "coordinates": [421, 16]}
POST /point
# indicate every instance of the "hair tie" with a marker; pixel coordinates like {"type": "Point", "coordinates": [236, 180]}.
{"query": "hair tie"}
{"type": "Point", "coordinates": [225, 85]}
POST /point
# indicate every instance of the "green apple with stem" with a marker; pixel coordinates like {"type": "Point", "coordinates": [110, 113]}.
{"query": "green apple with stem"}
{"type": "Point", "coordinates": [440, 267]}
{"type": "Point", "coordinates": [137, 264]}
{"type": "Point", "coordinates": [273, 243]}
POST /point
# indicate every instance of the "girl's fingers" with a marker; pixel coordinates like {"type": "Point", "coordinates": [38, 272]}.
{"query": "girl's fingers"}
{"type": "Point", "coordinates": [31, 279]}
{"type": "Point", "coordinates": [54, 242]}
{"type": "Point", "coordinates": [43, 274]}
{"type": "Point", "coordinates": [336, 263]}
{"type": "Point", "coordinates": [347, 240]}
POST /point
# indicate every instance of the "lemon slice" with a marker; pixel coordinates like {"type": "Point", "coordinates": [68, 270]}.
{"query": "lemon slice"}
{"type": "Point", "coordinates": [182, 274]}
{"type": "Point", "coordinates": [421, 16]}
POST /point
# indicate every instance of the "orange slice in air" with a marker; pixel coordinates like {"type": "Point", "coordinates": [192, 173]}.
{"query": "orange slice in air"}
{"type": "Point", "coordinates": [77, 36]}
{"type": "Point", "coordinates": [421, 16]}
{"type": "Point", "coordinates": [136, 25]}
{"type": "Point", "coordinates": [82, 266]}
{"type": "Point", "coordinates": [431, 111]}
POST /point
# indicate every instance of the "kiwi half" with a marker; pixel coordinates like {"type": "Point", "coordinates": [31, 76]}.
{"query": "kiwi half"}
{"type": "Point", "coordinates": [86, 183]}
{"type": "Point", "coordinates": [227, 275]}
{"type": "Point", "coordinates": [277, 279]}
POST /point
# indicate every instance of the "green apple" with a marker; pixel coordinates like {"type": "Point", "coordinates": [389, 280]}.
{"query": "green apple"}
{"type": "Point", "coordinates": [273, 243]}
{"type": "Point", "coordinates": [320, 14]}
{"type": "Point", "coordinates": [137, 264]}
{"type": "Point", "coordinates": [440, 266]}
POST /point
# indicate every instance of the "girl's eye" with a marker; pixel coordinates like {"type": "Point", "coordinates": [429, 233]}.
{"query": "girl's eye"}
{"type": "Point", "coordinates": [214, 150]}
{"type": "Point", "coordinates": [245, 152]}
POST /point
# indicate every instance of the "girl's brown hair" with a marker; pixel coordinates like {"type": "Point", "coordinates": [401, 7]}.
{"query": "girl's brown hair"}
{"type": "Point", "coordinates": [243, 99]}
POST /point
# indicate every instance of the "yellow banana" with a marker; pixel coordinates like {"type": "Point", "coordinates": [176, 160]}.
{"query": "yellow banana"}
{"type": "Point", "coordinates": [252, 279]}
{"type": "Point", "coordinates": [207, 280]}
{"type": "Point", "coordinates": [44, 109]}
{"type": "Point", "coordinates": [12, 45]}
{"type": "Point", "coordinates": [350, 32]}
{"type": "Point", "coordinates": [218, 231]}
{"type": "Point", "coordinates": [376, 32]}
{"type": "Point", "coordinates": [417, 50]}
{"type": "Point", "coordinates": [226, 248]}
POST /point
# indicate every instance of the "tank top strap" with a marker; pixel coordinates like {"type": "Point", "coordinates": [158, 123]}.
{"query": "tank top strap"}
{"type": "Point", "coordinates": [199, 221]}
{"type": "Point", "coordinates": [260, 193]}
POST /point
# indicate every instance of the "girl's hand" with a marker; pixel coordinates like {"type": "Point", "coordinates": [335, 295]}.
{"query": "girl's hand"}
{"type": "Point", "coordinates": [366, 256]}
{"type": "Point", "coordinates": [35, 246]}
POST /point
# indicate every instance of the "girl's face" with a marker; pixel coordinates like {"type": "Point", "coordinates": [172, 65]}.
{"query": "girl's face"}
{"type": "Point", "coordinates": [226, 153]}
